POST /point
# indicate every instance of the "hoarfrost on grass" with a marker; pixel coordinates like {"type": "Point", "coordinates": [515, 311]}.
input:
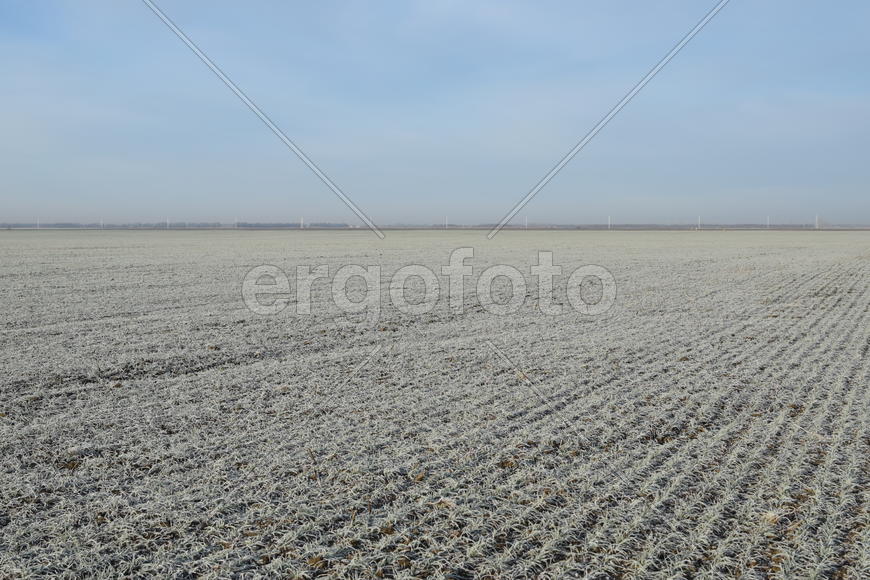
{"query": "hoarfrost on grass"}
{"type": "Point", "coordinates": [713, 422]}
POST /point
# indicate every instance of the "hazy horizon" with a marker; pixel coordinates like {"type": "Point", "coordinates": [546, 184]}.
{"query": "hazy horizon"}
{"type": "Point", "coordinates": [294, 226]}
{"type": "Point", "coordinates": [418, 111]}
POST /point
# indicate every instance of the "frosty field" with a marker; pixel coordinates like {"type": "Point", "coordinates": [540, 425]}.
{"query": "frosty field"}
{"type": "Point", "coordinates": [712, 423]}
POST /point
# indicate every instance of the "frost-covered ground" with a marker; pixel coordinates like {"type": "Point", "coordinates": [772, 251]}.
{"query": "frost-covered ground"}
{"type": "Point", "coordinates": [713, 423]}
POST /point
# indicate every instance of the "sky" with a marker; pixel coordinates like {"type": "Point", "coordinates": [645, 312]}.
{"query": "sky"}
{"type": "Point", "coordinates": [421, 109]}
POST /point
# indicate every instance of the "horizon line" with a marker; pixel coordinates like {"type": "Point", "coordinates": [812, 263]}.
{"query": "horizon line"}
{"type": "Point", "coordinates": [181, 225]}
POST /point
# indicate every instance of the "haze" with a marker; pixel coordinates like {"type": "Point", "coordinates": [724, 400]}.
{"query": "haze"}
{"type": "Point", "coordinates": [419, 111]}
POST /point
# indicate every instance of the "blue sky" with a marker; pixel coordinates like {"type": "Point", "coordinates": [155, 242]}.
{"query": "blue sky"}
{"type": "Point", "coordinates": [424, 109]}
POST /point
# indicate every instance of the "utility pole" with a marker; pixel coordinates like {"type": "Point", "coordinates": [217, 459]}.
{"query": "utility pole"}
{"type": "Point", "coordinates": [699, 223]}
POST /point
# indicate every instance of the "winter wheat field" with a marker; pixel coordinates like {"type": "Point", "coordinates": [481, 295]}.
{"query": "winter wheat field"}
{"type": "Point", "coordinates": [710, 420]}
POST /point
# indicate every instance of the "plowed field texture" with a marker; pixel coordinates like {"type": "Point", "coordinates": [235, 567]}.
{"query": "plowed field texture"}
{"type": "Point", "coordinates": [712, 423]}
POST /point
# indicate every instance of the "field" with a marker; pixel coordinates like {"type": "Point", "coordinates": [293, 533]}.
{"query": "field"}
{"type": "Point", "coordinates": [712, 423]}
